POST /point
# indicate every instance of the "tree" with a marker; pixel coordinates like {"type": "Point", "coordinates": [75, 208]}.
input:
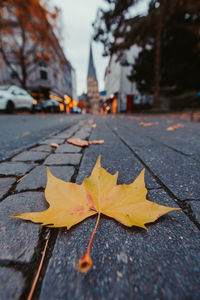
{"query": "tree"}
{"type": "Point", "coordinates": [109, 22]}
{"type": "Point", "coordinates": [157, 34]}
{"type": "Point", "coordinates": [26, 36]}
{"type": "Point", "coordinates": [179, 48]}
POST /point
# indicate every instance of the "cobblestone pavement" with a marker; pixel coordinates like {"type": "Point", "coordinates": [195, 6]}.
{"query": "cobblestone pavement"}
{"type": "Point", "coordinates": [129, 263]}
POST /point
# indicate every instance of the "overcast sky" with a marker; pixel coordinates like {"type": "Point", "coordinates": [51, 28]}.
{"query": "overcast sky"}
{"type": "Point", "coordinates": [77, 17]}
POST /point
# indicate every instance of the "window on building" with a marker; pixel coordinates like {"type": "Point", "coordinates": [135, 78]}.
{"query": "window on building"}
{"type": "Point", "coordinates": [13, 75]}
{"type": "Point", "coordinates": [43, 71]}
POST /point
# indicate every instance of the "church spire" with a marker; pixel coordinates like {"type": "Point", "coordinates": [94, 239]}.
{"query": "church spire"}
{"type": "Point", "coordinates": [91, 68]}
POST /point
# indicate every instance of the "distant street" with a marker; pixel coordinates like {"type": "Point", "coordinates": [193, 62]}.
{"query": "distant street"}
{"type": "Point", "coordinates": [23, 130]}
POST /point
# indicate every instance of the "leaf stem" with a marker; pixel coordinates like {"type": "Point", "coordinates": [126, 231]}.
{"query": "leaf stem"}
{"type": "Point", "coordinates": [85, 262]}
{"type": "Point", "coordinates": [38, 272]}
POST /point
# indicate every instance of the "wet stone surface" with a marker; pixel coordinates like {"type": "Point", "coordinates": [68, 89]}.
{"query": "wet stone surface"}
{"type": "Point", "coordinates": [68, 148]}
{"type": "Point", "coordinates": [12, 283]}
{"type": "Point", "coordinates": [18, 237]}
{"type": "Point", "coordinates": [37, 178]}
{"type": "Point", "coordinates": [63, 159]}
{"type": "Point", "coordinates": [5, 185]}
{"type": "Point", "coordinates": [195, 206]}
{"type": "Point", "coordinates": [15, 168]}
{"type": "Point", "coordinates": [53, 140]}
{"type": "Point", "coordinates": [42, 148]}
{"type": "Point", "coordinates": [30, 156]}
{"type": "Point", "coordinates": [128, 263]}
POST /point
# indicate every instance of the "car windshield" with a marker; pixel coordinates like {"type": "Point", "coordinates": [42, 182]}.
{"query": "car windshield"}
{"type": "Point", "coordinates": [4, 88]}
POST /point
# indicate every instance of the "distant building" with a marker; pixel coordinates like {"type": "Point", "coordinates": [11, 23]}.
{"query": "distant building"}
{"type": "Point", "coordinates": [74, 85]}
{"type": "Point", "coordinates": [92, 85]}
{"type": "Point", "coordinates": [120, 91]}
{"type": "Point", "coordinates": [47, 76]}
{"type": "Point", "coordinates": [84, 102]}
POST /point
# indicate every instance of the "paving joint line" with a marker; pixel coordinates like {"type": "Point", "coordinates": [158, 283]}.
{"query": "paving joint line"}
{"type": "Point", "coordinates": [165, 145]}
{"type": "Point", "coordinates": [186, 208]}
{"type": "Point", "coordinates": [52, 240]}
{"type": "Point", "coordinates": [12, 189]}
{"type": "Point", "coordinates": [172, 148]}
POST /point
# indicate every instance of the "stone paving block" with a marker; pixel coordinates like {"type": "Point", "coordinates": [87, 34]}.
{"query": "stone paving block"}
{"type": "Point", "coordinates": [30, 156]}
{"type": "Point", "coordinates": [67, 133]}
{"type": "Point", "coordinates": [195, 205]}
{"type": "Point", "coordinates": [67, 148]}
{"type": "Point", "coordinates": [83, 133]}
{"type": "Point", "coordinates": [37, 178]}
{"type": "Point", "coordinates": [19, 238]}
{"type": "Point", "coordinates": [42, 148]}
{"type": "Point", "coordinates": [52, 140]}
{"type": "Point", "coordinates": [115, 156]}
{"type": "Point", "coordinates": [63, 159]}
{"type": "Point", "coordinates": [178, 172]}
{"type": "Point", "coordinates": [12, 284]}
{"type": "Point", "coordinates": [15, 168]}
{"type": "Point", "coordinates": [5, 185]}
{"type": "Point", "coordinates": [129, 263]}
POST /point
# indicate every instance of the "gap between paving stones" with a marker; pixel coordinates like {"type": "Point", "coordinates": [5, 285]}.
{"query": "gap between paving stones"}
{"type": "Point", "coordinates": [36, 144]}
{"type": "Point", "coordinates": [184, 206]}
{"type": "Point", "coordinates": [44, 234]}
{"type": "Point", "coordinates": [172, 148]}
{"type": "Point", "coordinates": [52, 240]}
{"type": "Point", "coordinates": [163, 144]}
{"type": "Point", "coordinates": [12, 189]}
{"type": "Point", "coordinates": [25, 268]}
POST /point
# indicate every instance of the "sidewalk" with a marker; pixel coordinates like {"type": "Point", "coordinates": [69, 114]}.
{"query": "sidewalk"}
{"type": "Point", "coordinates": [129, 263]}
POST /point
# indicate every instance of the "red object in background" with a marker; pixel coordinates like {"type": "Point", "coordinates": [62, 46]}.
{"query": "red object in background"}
{"type": "Point", "coordinates": [129, 102]}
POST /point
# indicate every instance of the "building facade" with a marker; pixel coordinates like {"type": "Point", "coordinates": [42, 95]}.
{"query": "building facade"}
{"type": "Point", "coordinates": [46, 74]}
{"type": "Point", "coordinates": [92, 85]}
{"type": "Point", "coordinates": [119, 89]}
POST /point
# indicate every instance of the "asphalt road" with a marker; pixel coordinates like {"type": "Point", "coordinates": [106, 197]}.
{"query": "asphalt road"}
{"type": "Point", "coordinates": [23, 130]}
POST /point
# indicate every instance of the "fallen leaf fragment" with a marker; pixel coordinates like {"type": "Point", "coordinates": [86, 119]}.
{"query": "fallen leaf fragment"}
{"type": "Point", "coordinates": [70, 203]}
{"type": "Point", "coordinates": [175, 127]}
{"type": "Point", "coordinates": [78, 142]}
{"type": "Point", "coordinates": [148, 124]}
{"type": "Point", "coordinates": [91, 121]}
{"type": "Point", "coordinates": [26, 133]}
{"type": "Point", "coordinates": [96, 142]}
{"type": "Point", "coordinates": [93, 125]}
{"type": "Point", "coordinates": [54, 145]}
{"type": "Point", "coordinates": [83, 143]}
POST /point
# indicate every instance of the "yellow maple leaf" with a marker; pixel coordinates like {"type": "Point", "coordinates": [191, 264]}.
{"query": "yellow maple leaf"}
{"type": "Point", "coordinates": [71, 203]}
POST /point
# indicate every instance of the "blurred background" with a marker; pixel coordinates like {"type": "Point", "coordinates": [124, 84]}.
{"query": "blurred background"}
{"type": "Point", "coordinates": [99, 56]}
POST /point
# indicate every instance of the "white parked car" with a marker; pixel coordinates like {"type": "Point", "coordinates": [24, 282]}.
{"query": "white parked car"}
{"type": "Point", "coordinates": [13, 97]}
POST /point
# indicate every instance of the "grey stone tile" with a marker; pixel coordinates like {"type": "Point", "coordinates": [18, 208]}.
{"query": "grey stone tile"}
{"type": "Point", "coordinates": [15, 168]}
{"type": "Point", "coordinates": [5, 185]}
{"type": "Point", "coordinates": [129, 263]}
{"type": "Point", "coordinates": [68, 132]}
{"type": "Point", "coordinates": [37, 178]}
{"type": "Point", "coordinates": [63, 159]}
{"type": "Point", "coordinates": [30, 156]}
{"type": "Point", "coordinates": [52, 140]}
{"type": "Point", "coordinates": [178, 172]}
{"type": "Point", "coordinates": [115, 156]}
{"type": "Point", "coordinates": [18, 237]}
{"type": "Point", "coordinates": [68, 148]}
{"type": "Point", "coordinates": [12, 284]}
{"type": "Point", "coordinates": [195, 205]}
{"type": "Point", "coordinates": [83, 133]}
{"type": "Point", "coordinates": [42, 148]}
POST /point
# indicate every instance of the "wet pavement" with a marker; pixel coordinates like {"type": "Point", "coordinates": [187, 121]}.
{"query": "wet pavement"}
{"type": "Point", "coordinates": [129, 263]}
